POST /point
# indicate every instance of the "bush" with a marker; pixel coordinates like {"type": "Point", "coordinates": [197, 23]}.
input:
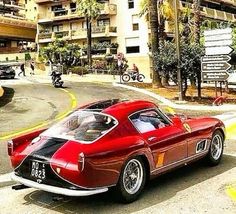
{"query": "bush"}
{"type": "Point", "coordinates": [79, 70]}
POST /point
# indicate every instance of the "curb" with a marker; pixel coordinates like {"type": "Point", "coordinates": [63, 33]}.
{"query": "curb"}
{"type": "Point", "coordinates": [225, 107]}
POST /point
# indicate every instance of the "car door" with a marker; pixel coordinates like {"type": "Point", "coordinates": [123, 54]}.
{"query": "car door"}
{"type": "Point", "coordinates": [167, 141]}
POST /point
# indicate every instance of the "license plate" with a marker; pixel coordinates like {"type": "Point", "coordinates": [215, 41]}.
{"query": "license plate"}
{"type": "Point", "coordinates": [38, 170]}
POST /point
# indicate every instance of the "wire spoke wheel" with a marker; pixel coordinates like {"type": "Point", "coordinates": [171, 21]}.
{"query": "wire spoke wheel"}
{"type": "Point", "coordinates": [133, 176]}
{"type": "Point", "coordinates": [216, 147]}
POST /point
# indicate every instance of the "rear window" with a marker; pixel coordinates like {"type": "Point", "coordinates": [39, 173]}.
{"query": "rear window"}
{"type": "Point", "coordinates": [82, 126]}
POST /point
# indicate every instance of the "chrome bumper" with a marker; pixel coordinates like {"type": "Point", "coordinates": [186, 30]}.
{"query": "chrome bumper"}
{"type": "Point", "coordinates": [57, 190]}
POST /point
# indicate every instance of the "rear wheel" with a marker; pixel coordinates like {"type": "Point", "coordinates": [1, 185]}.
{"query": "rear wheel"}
{"type": "Point", "coordinates": [216, 149]}
{"type": "Point", "coordinates": [126, 77]}
{"type": "Point", "coordinates": [132, 180]}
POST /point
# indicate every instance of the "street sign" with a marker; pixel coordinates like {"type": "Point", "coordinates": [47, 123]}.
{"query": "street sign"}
{"type": "Point", "coordinates": [215, 66]}
{"type": "Point", "coordinates": [216, 58]}
{"type": "Point", "coordinates": [215, 76]}
{"type": "Point", "coordinates": [217, 32]}
{"type": "Point", "coordinates": [218, 37]}
{"type": "Point", "coordinates": [218, 43]}
{"type": "Point", "coordinates": [218, 50]}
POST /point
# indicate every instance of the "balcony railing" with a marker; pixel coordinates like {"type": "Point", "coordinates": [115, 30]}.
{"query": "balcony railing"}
{"type": "Point", "coordinates": [45, 36]}
{"type": "Point", "coordinates": [61, 34]}
{"type": "Point", "coordinates": [109, 9]}
{"type": "Point", "coordinates": [212, 13]}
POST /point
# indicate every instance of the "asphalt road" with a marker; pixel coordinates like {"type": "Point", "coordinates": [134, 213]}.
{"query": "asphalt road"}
{"type": "Point", "coordinates": [191, 189]}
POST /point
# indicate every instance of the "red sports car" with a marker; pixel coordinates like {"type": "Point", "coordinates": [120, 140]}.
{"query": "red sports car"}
{"type": "Point", "coordinates": [112, 143]}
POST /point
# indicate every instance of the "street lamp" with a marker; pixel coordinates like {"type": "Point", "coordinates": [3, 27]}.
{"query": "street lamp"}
{"type": "Point", "coordinates": [179, 75]}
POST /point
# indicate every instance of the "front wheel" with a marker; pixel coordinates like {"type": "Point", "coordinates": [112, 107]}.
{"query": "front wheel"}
{"type": "Point", "coordinates": [125, 77]}
{"type": "Point", "coordinates": [140, 77]}
{"type": "Point", "coordinates": [216, 149]}
{"type": "Point", "coordinates": [132, 180]}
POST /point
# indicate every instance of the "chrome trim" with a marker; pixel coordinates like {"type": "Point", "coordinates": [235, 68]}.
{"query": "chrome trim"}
{"type": "Point", "coordinates": [10, 145]}
{"type": "Point", "coordinates": [205, 147]}
{"type": "Point", "coordinates": [81, 160]}
{"type": "Point", "coordinates": [57, 190]}
{"type": "Point", "coordinates": [183, 160]}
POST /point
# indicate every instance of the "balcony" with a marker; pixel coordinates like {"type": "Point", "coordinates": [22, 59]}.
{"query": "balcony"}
{"type": "Point", "coordinates": [65, 35]}
{"type": "Point", "coordinates": [100, 31]}
{"type": "Point", "coordinates": [217, 14]}
{"type": "Point", "coordinates": [45, 37]}
{"type": "Point", "coordinates": [58, 15]}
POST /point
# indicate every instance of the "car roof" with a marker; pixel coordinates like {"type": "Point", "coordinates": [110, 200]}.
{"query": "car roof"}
{"type": "Point", "coordinates": [123, 109]}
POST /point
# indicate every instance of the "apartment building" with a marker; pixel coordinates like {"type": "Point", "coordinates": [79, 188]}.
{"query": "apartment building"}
{"type": "Point", "coordinates": [119, 22]}
{"type": "Point", "coordinates": [17, 28]}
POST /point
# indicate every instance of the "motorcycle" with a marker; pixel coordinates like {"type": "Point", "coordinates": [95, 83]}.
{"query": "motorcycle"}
{"type": "Point", "coordinates": [132, 75]}
{"type": "Point", "coordinates": [56, 79]}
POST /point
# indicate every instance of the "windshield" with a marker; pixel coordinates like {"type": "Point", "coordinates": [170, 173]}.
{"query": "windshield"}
{"type": "Point", "coordinates": [82, 126]}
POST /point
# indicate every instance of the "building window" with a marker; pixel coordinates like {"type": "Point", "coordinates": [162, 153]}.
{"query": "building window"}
{"type": "Point", "coordinates": [133, 49]}
{"type": "Point", "coordinates": [130, 4]}
{"type": "Point", "coordinates": [57, 28]}
{"type": "Point", "coordinates": [103, 22]}
{"type": "Point", "coordinates": [135, 26]}
{"type": "Point", "coordinates": [132, 45]}
{"type": "Point", "coordinates": [135, 22]}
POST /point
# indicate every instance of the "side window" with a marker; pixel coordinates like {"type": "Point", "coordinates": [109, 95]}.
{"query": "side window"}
{"type": "Point", "coordinates": [149, 120]}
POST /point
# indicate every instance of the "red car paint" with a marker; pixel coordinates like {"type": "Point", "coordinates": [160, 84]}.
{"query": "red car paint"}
{"type": "Point", "coordinates": [171, 146]}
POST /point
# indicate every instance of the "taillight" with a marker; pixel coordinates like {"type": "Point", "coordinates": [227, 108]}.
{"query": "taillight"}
{"type": "Point", "coordinates": [10, 147]}
{"type": "Point", "coordinates": [81, 160]}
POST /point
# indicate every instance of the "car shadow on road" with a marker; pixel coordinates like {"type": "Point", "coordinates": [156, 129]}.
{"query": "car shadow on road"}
{"type": "Point", "coordinates": [157, 190]}
{"type": "Point", "coordinates": [7, 96]}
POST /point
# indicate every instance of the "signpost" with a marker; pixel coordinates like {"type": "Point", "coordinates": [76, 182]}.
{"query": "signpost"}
{"type": "Point", "coordinates": [214, 64]}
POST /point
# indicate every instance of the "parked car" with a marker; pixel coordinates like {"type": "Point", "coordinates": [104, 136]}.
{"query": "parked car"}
{"type": "Point", "coordinates": [6, 71]}
{"type": "Point", "coordinates": [112, 144]}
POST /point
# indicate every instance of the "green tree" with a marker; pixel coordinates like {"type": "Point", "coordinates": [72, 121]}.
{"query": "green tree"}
{"type": "Point", "coordinates": [61, 52]}
{"type": "Point", "coordinates": [90, 9]}
{"type": "Point", "coordinates": [190, 63]}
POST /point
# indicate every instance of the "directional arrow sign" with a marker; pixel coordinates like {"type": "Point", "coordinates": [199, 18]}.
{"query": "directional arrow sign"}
{"type": "Point", "coordinates": [218, 43]}
{"type": "Point", "coordinates": [216, 58]}
{"type": "Point", "coordinates": [218, 37]}
{"type": "Point", "coordinates": [218, 50]}
{"type": "Point", "coordinates": [215, 66]}
{"type": "Point", "coordinates": [215, 76]}
{"type": "Point", "coordinates": [217, 32]}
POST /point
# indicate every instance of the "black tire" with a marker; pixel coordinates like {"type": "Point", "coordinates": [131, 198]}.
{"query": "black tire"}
{"type": "Point", "coordinates": [216, 149]}
{"type": "Point", "coordinates": [125, 77]}
{"type": "Point", "coordinates": [124, 192]}
{"type": "Point", "coordinates": [140, 77]}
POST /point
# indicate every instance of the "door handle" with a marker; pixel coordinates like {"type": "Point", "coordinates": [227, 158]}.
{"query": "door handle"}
{"type": "Point", "coordinates": [152, 139]}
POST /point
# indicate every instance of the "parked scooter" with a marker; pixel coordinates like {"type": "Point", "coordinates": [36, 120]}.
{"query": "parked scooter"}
{"type": "Point", "coordinates": [56, 79]}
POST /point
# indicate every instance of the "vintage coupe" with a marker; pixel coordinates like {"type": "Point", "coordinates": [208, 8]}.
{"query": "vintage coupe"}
{"type": "Point", "coordinates": [112, 143]}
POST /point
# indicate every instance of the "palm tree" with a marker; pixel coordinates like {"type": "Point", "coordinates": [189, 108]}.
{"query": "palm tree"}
{"type": "Point", "coordinates": [154, 26]}
{"type": "Point", "coordinates": [196, 35]}
{"type": "Point", "coordinates": [90, 9]}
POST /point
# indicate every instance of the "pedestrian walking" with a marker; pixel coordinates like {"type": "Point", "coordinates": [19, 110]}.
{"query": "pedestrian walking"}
{"type": "Point", "coordinates": [32, 68]}
{"type": "Point", "coordinates": [22, 68]}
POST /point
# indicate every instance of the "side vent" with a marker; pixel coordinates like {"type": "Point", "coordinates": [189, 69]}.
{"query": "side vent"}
{"type": "Point", "coordinates": [201, 146]}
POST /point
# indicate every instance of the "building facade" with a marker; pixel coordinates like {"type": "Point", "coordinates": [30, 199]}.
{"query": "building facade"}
{"type": "Point", "coordinates": [17, 28]}
{"type": "Point", "coordinates": [119, 22]}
